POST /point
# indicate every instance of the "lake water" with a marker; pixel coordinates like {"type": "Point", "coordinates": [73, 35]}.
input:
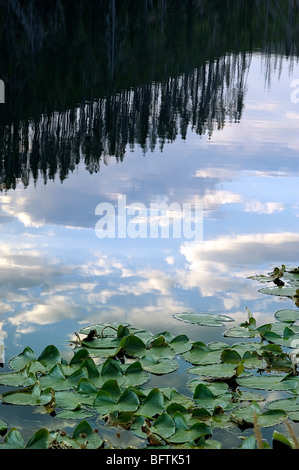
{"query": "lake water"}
{"type": "Point", "coordinates": [221, 135]}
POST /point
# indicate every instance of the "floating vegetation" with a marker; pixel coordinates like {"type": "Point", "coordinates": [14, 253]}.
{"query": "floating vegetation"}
{"type": "Point", "coordinates": [108, 380]}
{"type": "Point", "coordinates": [286, 280]}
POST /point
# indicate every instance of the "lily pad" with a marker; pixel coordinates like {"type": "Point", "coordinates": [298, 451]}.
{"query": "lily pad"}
{"type": "Point", "coordinates": [215, 371]}
{"type": "Point", "coordinates": [17, 379]}
{"type": "Point", "coordinates": [185, 433]}
{"type": "Point", "coordinates": [77, 414]}
{"type": "Point", "coordinates": [106, 402]}
{"type": "Point", "coordinates": [57, 380]}
{"type": "Point", "coordinates": [201, 354]}
{"type": "Point", "coordinates": [245, 415]}
{"type": "Point", "coordinates": [83, 437]}
{"type": "Point", "coordinates": [269, 382]}
{"type": "Point", "coordinates": [13, 440]}
{"type": "Point", "coordinates": [31, 396]}
{"type": "Point", "coordinates": [49, 357]}
{"type": "Point", "coordinates": [286, 404]}
{"type": "Point", "coordinates": [203, 319]}
{"type": "Point", "coordinates": [153, 404]}
{"type": "Point", "coordinates": [217, 388]}
{"type": "Point", "coordinates": [158, 366]}
{"type": "Point", "coordinates": [163, 426]}
{"type": "Point", "coordinates": [134, 374]}
{"type": "Point", "coordinates": [280, 291]}
{"type": "Point", "coordinates": [203, 397]}
{"type": "Point", "coordinates": [3, 426]}
{"type": "Point", "coordinates": [20, 361]}
{"type": "Point", "coordinates": [287, 315]}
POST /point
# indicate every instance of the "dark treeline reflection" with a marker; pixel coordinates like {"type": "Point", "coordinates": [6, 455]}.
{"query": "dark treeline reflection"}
{"type": "Point", "coordinates": [85, 79]}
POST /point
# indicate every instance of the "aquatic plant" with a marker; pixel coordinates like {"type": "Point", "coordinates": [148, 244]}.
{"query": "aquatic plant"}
{"type": "Point", "coordinates": [108, 379]}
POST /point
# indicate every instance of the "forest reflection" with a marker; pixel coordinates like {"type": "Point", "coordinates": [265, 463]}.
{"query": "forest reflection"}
{"type": "Point", "coordinates": [148, 116]}
{"type": "Point", "coordinates": [48, 128]}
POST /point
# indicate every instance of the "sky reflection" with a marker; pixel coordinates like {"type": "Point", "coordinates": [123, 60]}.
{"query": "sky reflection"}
{"type": "Point", "coordinates": [56, 274]}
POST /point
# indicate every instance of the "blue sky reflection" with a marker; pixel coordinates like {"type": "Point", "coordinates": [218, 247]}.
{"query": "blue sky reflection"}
{"type": "Point", "coordinates": [56, 274]}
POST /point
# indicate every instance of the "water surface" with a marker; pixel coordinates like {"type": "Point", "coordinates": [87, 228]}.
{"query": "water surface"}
{"type": "Point", "coordinates": [221, 131]}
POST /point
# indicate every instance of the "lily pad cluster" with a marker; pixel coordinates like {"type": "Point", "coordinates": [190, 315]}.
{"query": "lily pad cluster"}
{"type": "Point", "coordinates": [108, 380]}
{"type": "Point", "coordinates": [285, 280]}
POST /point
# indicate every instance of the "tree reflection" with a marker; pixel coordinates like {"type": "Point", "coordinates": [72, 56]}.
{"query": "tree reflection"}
{"type": "Point", "coordinates": [87, 80]}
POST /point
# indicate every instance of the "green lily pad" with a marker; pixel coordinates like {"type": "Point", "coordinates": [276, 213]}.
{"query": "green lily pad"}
{"type": "Point", "coordinates": [3, 426]}
{"type": "Point", "coordinates": [160, 347]}
{"type": "Point", "coordinates": [185, 433]}
{"type": "Point", "coordinates": [30, 396]}
{"type": "Point", "coordinates": [173, 396]}
{"type": "Point", "coordinates": [13, 440]}
{"type": "Point", "coordinates": [17, 379]}
{"type": "Point", "coordinates": [285, 341]}
{"type": "Point", "coordinates": [240, 332]}
{"type": "Point", "coordinates": [180, 344]}
{"type": "Point", "coordinates": [203, 397]}
{"type": "Point", "coordinates": [133, 346]}
{"type": "Point", "coordinates": [134, 374]}
{"type": "Point", "coordinates": [276, 274]}
{"type": "Point", "coordinates": [153, 404]}
{"type": "Point", "coordinates": [158, 366]}
{"type": "Point", "coordinates": [287, 315]}
{"type": "Point", "coordinates": [200, 354]}
{"type": "Point", "coordinates": [245, 415]}
{"type": "Point", "coordinates": [49, 357]}
{"type": "Point", "coordinates": [215, 371]}
{"type": "Point", "coordinates": [39, 440]}
{"type": "Point", "coordinates": [20, 361]}
{"type": "Point", "coordinates": [269, 382]}
{"type": "Point", "coordinates": [203, 319]}
{"type": "Point", "coordinates": [286, 404]}
{"type": "Point", "coordinates": [78, 414]}
{"type": "Point", "coordinates": [104, 342]}
{"type": "Point", "coordinates": [104, 329]}
{"type": "Point", "coordinates": [58, 381]}
{"type": "Point", "coordinates": [163, 426]}
{"type": "Point", "coordinates": [83, 437]}
{"type": "Point", "coordinates": [217, 388]}
{"type": "Point", "coordinates": [72, 400]}
{"type": "Point", "coordinates": [293, 415]}
{"type": "Point", "coordinates": [111, 369]}
{"type": "Point", "coordinates": [280, 291]}
{"type": "Point", "coordinates": [106, 402]}
{"type": "Point", "coordinates": [281, 440]}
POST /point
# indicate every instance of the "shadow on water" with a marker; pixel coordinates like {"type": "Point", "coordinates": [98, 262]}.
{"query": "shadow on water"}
{"type": "Point", "coordinates": [85, 81]}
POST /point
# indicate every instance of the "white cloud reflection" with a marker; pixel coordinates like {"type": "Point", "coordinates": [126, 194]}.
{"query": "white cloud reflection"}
{"type": "Point", "coordinates": [264, 208]}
